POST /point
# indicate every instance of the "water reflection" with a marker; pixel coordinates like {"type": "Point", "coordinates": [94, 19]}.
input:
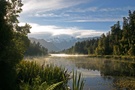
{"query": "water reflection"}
{"type": "Point", "coordinates": [99, 74]}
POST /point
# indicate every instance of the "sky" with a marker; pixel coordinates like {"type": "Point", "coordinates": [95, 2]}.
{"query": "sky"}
{"type": "Point", "coordinates": [77, 18]}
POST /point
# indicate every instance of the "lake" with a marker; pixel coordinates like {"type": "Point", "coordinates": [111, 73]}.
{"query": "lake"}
{"type": "Point", "coordinates": [98, 73]}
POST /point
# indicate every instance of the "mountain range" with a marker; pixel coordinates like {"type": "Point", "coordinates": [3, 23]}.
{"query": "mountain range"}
{"type": "Point", "coordinates": [58, 43]}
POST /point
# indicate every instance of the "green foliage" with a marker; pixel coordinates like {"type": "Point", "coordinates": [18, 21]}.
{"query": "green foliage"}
{"type": "Point", "coordinates": [119, 41]}
{"type": "Point", "coordinates": [77, 83]}
{"type": "Point", "coordinates": [84, 47]}
{"type": "Point", "coordinates": [35, 49]}
{"type": "Point", "coordinates": [52, 87]}
{"type": "Point", "coordinates": [38, 86]}
{"type": "Point", "coordinates": [13, 42]}
{"type": "Point", "coordinates": [33, 75]}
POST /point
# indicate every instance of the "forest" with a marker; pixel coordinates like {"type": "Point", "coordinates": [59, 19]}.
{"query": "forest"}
{"type": "Point", "coordinates": [120, 40]}
{"type": "Point", "coordinates": [35, 49]}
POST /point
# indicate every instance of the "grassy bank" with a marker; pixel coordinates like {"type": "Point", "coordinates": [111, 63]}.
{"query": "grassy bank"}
{"type": "Point", "coordinates": [119, 57]}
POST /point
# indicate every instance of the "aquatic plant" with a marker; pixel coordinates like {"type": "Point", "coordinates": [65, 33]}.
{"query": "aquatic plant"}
{"type": "Point", "coordinates": [77, 83]}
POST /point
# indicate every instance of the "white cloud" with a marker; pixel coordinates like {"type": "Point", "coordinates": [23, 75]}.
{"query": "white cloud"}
{"type": "Point", "coordinates": [116, 9]}
{"type": "Point", "coordinates": [48, 5]}
{"type": "Point", "coordinates": [98, 20]}
{"type": "Point", "coordinates": [46, 15]}
{"type": "Point", "coordinates": [83, 10]}
{"type": "Point", "coordinates": [55, 30]}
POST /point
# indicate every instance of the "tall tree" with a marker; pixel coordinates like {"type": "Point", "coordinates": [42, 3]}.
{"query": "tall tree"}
{"type": "Point", "coordinates": [13, 42]}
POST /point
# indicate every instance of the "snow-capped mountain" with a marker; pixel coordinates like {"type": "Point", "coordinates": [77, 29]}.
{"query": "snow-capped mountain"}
{"type": "Point", "coordinates": [49, 45]}
{"type": "Point", "coordinates": [59, 42]}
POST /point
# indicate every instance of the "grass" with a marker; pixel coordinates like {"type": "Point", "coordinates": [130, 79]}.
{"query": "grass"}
{"type": "Point", "coordinates": [78, 83]}
{"type": "Point", "coordinates": [32, 76]}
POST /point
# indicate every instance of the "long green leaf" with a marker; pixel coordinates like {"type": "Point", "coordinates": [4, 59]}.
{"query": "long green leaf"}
{"type": "Point", "coordinates": [54, 86]}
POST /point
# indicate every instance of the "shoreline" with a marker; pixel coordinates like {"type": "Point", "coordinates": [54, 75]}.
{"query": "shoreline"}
{"type": "Point", "coordinates": [120, 57]}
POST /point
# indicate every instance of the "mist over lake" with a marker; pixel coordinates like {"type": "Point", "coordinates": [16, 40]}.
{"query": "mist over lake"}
{"type": "Point", "coordinates": [98, 73]}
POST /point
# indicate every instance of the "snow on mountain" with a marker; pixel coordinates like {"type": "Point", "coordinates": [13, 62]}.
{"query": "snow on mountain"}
{"type": "Point", "coordinates": [59, 42]}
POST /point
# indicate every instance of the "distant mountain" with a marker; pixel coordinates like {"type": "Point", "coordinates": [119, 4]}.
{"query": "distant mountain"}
{"type": "Point", "coordinates": [59, 42]}
{"type": "Point", "coordinates": [49, 45]}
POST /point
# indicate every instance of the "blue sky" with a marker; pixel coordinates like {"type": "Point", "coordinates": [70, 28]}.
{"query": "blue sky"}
{"type": "Point", "coordinates": [78, 18]}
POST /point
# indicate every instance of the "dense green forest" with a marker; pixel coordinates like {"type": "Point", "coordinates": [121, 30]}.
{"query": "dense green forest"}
{"type": "Point", "coordinates": [35, 49]}
{"type": "Point", "coordinates": [84, 47]}
{"type": "Point", "coordinates": [120, 40]}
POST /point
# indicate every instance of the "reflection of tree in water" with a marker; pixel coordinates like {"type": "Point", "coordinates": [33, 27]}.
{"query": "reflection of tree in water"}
{"type": "Point", "coordinates": [92, 64]}
{"type": "Point", "coordinates": [108, 67]}
{"type": "Point", "coordinates": [116, 68]}
{"type": "Point", "coordinates": [121, 72]}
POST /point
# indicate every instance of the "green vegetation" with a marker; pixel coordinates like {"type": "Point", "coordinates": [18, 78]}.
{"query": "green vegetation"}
{"type": "Point", "coordinates": [13, 42]}
{"type": "Point", "coordinates": [35, 49]}
{"type": "Point", "coordinates": [84, 47]}
{"type": "Point", "coordinates": [77, 84]}
{"type": "Point", "coordinates": [118, 41]}
{"type": "Point", "coordinates": [33, 76]}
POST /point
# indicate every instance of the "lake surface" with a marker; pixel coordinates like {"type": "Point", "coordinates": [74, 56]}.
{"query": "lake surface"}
{"type": "Point", "coordinates": [98, 73]}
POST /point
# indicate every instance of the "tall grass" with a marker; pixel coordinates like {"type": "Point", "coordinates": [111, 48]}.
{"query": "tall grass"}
{"type": "Point", "coordinates": [32, 76]}
{"type": "Point", "coordinates": [78, 83]}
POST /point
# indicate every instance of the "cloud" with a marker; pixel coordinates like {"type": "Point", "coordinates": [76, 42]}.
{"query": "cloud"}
{"type": "Point", "coordinates": [49, 5]}
{"type": "Point", "coordinates": [116, 9]}
{"type": "Point", "coordinates": [83, 10]}
{"type": "Point", "coordinates": [51, 30]}
{"type": "Point", "coordinates": [98, 20]}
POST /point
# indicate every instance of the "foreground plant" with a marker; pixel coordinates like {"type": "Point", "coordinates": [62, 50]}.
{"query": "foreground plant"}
{"type": "Point", "coordinates": [32, 76]}
{"type": "Point", "coordinates": [77, 83]}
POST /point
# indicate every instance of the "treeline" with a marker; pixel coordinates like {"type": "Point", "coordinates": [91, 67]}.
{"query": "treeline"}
{"type": "Point", "coordinates": [120, 40]}
{"type": "Point", "coordinates": [35, 49]}
{"type": "Point", "coordinates": [84, 47]}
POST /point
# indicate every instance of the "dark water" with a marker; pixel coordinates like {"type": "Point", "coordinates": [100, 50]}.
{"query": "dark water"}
{"type": "Point", "coordinates": [99, 74]}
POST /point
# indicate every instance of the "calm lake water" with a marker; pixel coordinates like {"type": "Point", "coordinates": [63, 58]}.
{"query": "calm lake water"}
{"type": "Point", "coordinates": [99, 74]}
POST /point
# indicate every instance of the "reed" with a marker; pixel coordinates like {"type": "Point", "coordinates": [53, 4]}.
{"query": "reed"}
{"type": "Point", "coordinates": [77, 83]}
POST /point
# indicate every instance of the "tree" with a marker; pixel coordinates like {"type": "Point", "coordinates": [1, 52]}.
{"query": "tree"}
{"type": "Point", "coordinates": [35, 49]}
{"type": "Point", "coordinates": [13, 42]}
{"type": "Point", "coordinates": [102, 46]}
